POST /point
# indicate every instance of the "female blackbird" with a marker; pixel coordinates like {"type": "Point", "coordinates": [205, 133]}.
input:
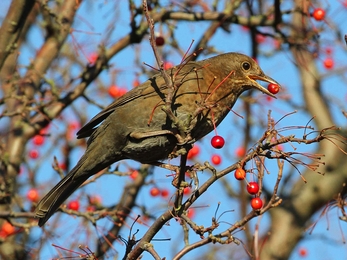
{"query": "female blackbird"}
{"type": "Point", "coordinates": [141, 127]}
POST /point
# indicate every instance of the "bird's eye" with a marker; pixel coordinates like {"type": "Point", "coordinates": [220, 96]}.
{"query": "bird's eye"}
{"type": "Point", "coordinates": [246, 65]}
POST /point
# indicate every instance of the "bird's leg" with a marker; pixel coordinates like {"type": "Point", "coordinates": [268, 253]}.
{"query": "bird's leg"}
{"type": "Point", "coordinates": [176, 169]}
{"type": "Point", "coordinates": [194, 176]}
{"type": "Point", "coordinates": [166, 166]}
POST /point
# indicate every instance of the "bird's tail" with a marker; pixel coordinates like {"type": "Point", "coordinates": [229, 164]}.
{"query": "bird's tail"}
{"type": "Point", "coordinates": [55, 197]}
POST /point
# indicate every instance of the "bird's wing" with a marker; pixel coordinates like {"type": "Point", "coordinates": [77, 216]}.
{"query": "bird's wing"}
{"type": "Point", "coordinates": [154, 86]}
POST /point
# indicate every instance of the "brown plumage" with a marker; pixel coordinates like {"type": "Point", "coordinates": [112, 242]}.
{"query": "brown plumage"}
{"type": "Point", "coordinates": [136, 127]}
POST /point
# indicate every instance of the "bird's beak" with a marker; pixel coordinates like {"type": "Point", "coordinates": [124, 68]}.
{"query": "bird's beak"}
{"type": "Point", "coordinates": [260, 87]}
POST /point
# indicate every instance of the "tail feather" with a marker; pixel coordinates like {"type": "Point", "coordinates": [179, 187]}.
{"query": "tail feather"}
{"type": "Point", "coordinates": [54, 198]}
{"type": "Point", "coordinates": [99, 155]}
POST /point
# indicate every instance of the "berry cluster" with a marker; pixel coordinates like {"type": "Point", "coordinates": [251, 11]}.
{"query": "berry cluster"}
{"type": "Point", "coordinates": [155, 191]}
{"type": "Point", "coordinates": [319, 15]}
{"type": "Point", "coordinates": [252, 188]}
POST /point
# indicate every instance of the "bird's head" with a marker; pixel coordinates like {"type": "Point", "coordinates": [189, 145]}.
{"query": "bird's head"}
{"type": "Point", "coordinates": [244, 72]}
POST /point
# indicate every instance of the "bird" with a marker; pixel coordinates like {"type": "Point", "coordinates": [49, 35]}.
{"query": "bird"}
{"type": "Point", "coordinates": [151, 121]}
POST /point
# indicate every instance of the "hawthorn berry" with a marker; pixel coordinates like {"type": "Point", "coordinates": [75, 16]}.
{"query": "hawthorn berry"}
{"type": "Point", "coordinates": [260, 38]}
{"type": "Point", "coordinates": [116, 92]}
{"type": "Point", "coordinates": [38, 140]}
{"type": "Point", "coordinates": [240, 152]}
{"type": "Point", "coordinates": [240, 174]}
{"type": "Point", "coordinates": [95, 200]}
{"type": "Point", "coordinates": [253, 187]}
{"type": "Point", "coordinates": [318, 14]}
{"type": "Point", "coordinates": [113, 91]}
{"type": "Point", "coordinates": [164, 193]}
{"type": "Point", "coordinates": [273, 88]}
{"type": "Point", "coordinates": [186, 190]}
{"type": "Point", "coordinates": [328, 50]}
{"type": "Point", "coordinates": [216, 159]}
{"type": "Point", "coordinates": [168, 65]}
{"type": "Point", "coordinates": [328, 63]}
{"type": "Point", "coordinates": [44, 131]}
{"type": "Point", "coordinates": [217, 142]}
{"type": "Point", "coordinates": [90, 208]}
{"type": "Point", "coordinates": [62, 166]}
{"type": "Point", "coordinates": [33, 195]}
{"type": "Point", "coordinates": [34, 154]}
{"type": "Point", "coordinates": [269, 99]}
{"type": "Point", "coordinates": [74, 205]}
{"type": "Point", "coordinates": [190, 213]}
{"type": "Point", "coordinates": [159, 41]}
{"type": "Point", "coordinates": [92, 58]}
{"type": "Point", "coordinates": [154, 192]}
{"type": "Point", "coordinates": [136, 83]}
{"type": "Point", "coordinates": [256, 203]}
{"type": "Point", "coordinates": [193, 152]}
{"type": "Point", "coordinates": [74, 125]}
{"type": "Point", "coordinates": [134, 174]}
{"type": "Point", "coordinates": [7, 228]}
{"type": "Point", "coordinates": [303, 252]}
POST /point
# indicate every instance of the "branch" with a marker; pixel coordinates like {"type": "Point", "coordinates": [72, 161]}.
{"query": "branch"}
{"type": "Point", "coordinates": [12, 27]}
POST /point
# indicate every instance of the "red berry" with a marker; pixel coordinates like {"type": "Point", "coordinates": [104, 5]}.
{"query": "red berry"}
{"type": "Point", "coordinates": [256, 203]}
{"type": "Point", "coordinates": [90, 208]}
{"type": "Point", "coordinates": [136, 83]}
{"type": "Point", "coordinates": [95, 200]}
{"type": "Point", "coordinates": [7, 228]}
{"type": "Point", "coordinates": [273, 88]}
{"type": "Point", "coordinates": [253, 187]}
{"type": "Point", "coordinates": [164, 193]}
{"type": "Point", "coordinates": [74, 125]}
{"type": "Point", "coordinates": [193, 152]}
{"type": "Point", "coordinates": [34, 154]}
{"type": "Point", "coordinates": [328, 63]}
{"type": "Point", "coordinates": [113, 91]}
{"type": "Point", "coordinates": [260, 38]}
{"type": "Point", "coordinates": [44, 131]}
{"type": "Point", "coordinates": [92, 58]}
{"type": "Point", "coordinates": [190, 213]}
{"type": "Point", "coordinates": [122, 91]}
{"type": "Point", "coordinates": [328, 50]}
{"type": "Point", "coordinates": [38, 140]}
{"type": "Point", "coordinates": [216, 159]}
{"type": "Point", "coordinates": [269, 99]}
{"type": "Point", "coordinates": [318, 14]}
{"type": "Point", "coordinates": [303, 252]}
{"type": "Point", "coordinates": [33, 195]}
{"type": "Point", "coordinates": [217, 142]}
{"type": "Point", "coordinates": [134, 174]}
{"type": "Point", "coordinates": [62, 166]}
{"type": "Point", "coordinates": [277, 44]}
{"type": "Point", "coordinates": [168, 65]}
{"type": "Point", "coordinates": [244, 28]}
{"type": "Point", "coordinates": [240, 174]}
{"type": "Point", "coordinates": [74, 205]}
{"type": "Point", "coordinates": [159, 41]}
{"type": "Point", "coordinates": [186, 190]}
{"type": "Point", "coordinates": [154, 192]}
{"type": "Point", "coordinates": [240, 152]}
{"type": "Point", "coordinates": [116, 92]}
